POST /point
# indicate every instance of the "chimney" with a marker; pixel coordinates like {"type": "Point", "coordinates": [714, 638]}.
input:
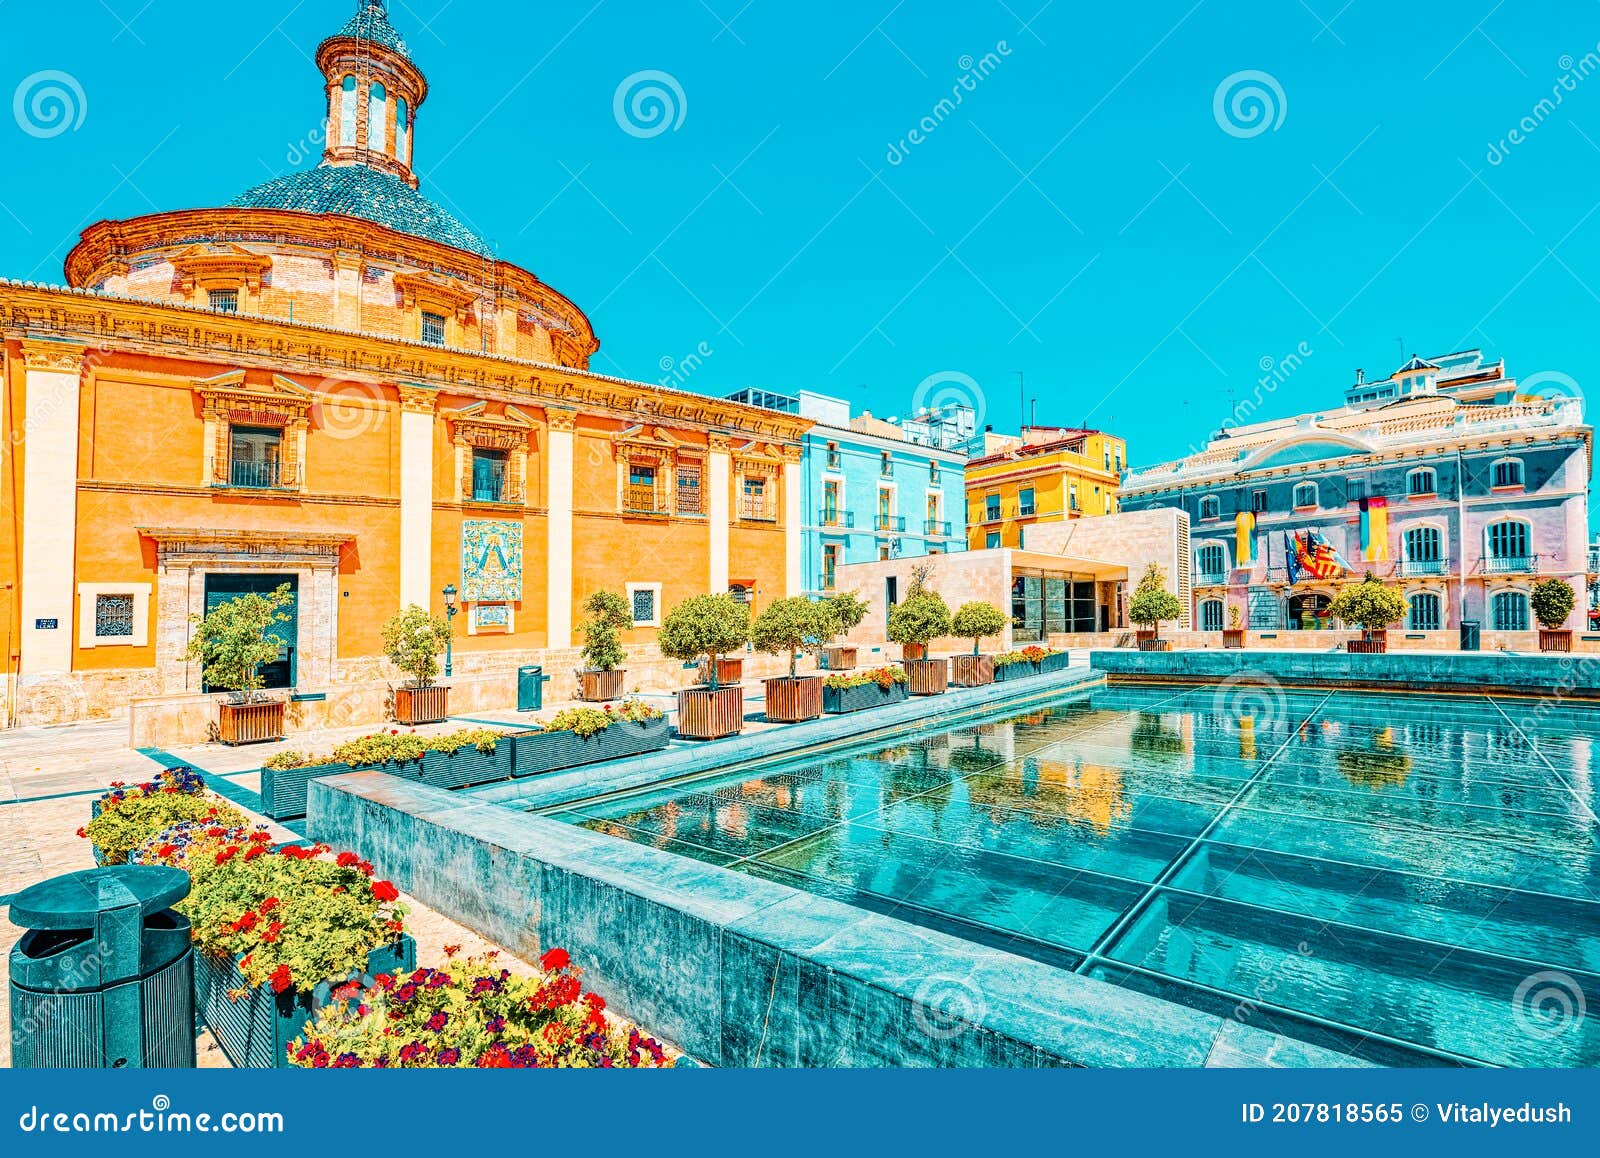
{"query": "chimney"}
{"type": "Point", "coordinates": [1361, 376]}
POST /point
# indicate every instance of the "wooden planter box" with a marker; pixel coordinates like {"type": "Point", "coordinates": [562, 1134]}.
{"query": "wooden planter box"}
{"type": "Point", "coordinates": [254, 723]}
{"type": "Point", "coordinates": [1144, 634]}
{"type": "Point", "coordinates": [283, 790]}
{"type": "Point", "coordinates": [463, 767]}
{"type": "Point", "coordinates": [839, 658]}
{"type": "Point", "coordinates": [928, 677]}
{"type": "Point", "coordinates": [414, 706]}
{"type": "Point", "coordinates": [910, 652]}
{"type": "Point", "coordinates": [596, 687]}
{"type": "Point", "coordinates": [791, 699]}
{"type": "Point", "coordinates": [536, 752]}
{"type": "Point", "coordinates": [972, 671]}
{"type": "Point", "coordinates": [1016, 671]}
{"type": "Point", "coordinates": [1370, 643]}
{"type": "Point", "coordinates": [1556, 640]}
{"type": "Point", "coordinates": [255, 1031]}
{"type": "Point", "coordinates": [839, 701]}
{"type": "Point", "coordinates": [710, 713]}
{"type": "Point", "coordinates": [1233, 637]}
{"type": "Point", "coordinates": [730, 671]}
{"type": "Point", "coordinates": [1154, 644]}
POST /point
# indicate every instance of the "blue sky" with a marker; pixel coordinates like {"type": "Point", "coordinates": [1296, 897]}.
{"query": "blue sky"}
{"type": "Point", "coordinates": [1084, 214]}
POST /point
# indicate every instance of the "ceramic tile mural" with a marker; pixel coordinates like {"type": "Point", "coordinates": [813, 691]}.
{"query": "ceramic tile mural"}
{"type": "Point", "coordinates": [491, 560]}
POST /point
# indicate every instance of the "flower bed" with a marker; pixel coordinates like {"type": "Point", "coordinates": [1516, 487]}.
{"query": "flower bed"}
{"type": "Point", "coordinates": [1029, 661]}
{"type": "Point", "coordinates": [861, 690]}
{"type": "Point", "coordinates": [453, 760]}
{"type": "Point", "coordinates": [474, 1014]}
{"type": "Point", "coordinates": [128, 815]}
{"type": "Point", "coordinates": [588, 735]}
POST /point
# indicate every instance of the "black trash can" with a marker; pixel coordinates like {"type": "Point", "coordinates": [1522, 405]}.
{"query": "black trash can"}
{"type": "Point", "coordinates": [530, 688]}
{"type": "Point", "coordinates": [104, 976]}
{"type": "Point", "coordinates": [1469, 635]}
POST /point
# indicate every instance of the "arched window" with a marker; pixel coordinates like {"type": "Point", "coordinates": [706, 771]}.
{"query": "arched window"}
{"type": "Point", "coordinates": [1212, 563]}
{"type": "Point", "coordinates": [347, 111]}
{"type": "Point", "coordinates": [1210, 507]}
{"type": "Point", "coordinates": [1509, 611]}
{"type": "Point", "coordinates": [1507, 472]}
{"type": "Point", "coordinates": [1424, 551]}
{"type": "Point", "coordinates": [1508, 541]}
{"type": "Point", "coordinates": [378, 118]}
{"type": "Point", "coordinates": [402, 131]}
{"type": "Point", "coordinates": [1305, 495]}
{"type": "Point", "coordinates": [1425, 615]}
{"type": "Point", "coordinates": [1422, 481]}
{"type": "Point", "coordinates": [1211, 615]}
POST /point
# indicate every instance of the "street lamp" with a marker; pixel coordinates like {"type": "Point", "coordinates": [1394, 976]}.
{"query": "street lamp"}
{"type": "Point", "coordinates": [450, 610]}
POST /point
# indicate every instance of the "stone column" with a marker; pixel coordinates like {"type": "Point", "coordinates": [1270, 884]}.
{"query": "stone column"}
{"type": "Point", "coordinates": [49, 441]}
{"type": "Point", "coordinates": [347, 291]}
{"type": "Point", "coordinates": [793, 521]}
{"type": "Point", "coordinates": [719, 511]}
{"type": "Point", "coordinates": [416, 495]}
{"type": "Point", "coordinates": [558, 546]}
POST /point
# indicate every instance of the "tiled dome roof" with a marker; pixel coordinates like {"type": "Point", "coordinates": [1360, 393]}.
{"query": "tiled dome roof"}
{"type": "Point", "coordinates": [372, 195]}
{"type": "Point", "coordinates": [371, 22]}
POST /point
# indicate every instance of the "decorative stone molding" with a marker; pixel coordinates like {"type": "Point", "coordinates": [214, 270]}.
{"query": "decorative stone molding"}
{"type": "Point", "coordinates": [480, 427]}
{"type": "Point", "coordinates": [565, 421]}
{"type": "Point", "coordinates": [228, 400]}
{"type": "Point", "coordinates": [246, 549]}
{"type": "Point", "coordinates": [205, 267]}
{"type": "Point", "coordinates": [418, 399]}
{"type": "Point", "coordinates": [55, 357]}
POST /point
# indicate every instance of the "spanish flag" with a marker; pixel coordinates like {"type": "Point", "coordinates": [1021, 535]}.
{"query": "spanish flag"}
{"type": "Point", "coordinates": [1374, 528]}
{"type": "Point", "coordinates": [1244, 547]}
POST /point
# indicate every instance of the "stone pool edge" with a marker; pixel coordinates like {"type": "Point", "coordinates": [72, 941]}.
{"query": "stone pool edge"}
{"type": "Point", "coordinates": [740, 971]}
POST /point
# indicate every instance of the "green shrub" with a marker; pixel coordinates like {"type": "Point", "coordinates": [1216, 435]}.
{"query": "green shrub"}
{"type": "Point", "coordinates": [919, 619]}
{"type": "Point", "coordinates": [848, 610]}
{"type": "Point", "coordinates": [608, 613]}
{"type": "Point", "coordinates": [1369, 605]}
{"type": "Point", "coordinates": [130, 816]}
{"type": "Point", "coordinates": [1552, 601]}
{"type": "Point", "coordinates": [705, 627]}
{"type": "Point", "coordinates": [884, 677]}
{"type": "Point", "coordinates": [231, 642]}
{"type": "Point", "coordinates": [977, 621]}
{"type": "Point", "coordinates": [1152, 604]}
{"type": "Point", "coordinates": [413, 639]}
{"type": "Point", "coordinates": [793, 625]}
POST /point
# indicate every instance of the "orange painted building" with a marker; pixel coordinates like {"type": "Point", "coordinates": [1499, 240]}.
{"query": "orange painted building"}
{"type": "Point", "coordinates": [333, 383]}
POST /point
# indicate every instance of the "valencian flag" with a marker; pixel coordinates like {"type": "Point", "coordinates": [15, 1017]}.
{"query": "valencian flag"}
{"type": "Point", "coordinates": [1311, 556]}
{"type": "Point", "coordinates": [1374, 528]}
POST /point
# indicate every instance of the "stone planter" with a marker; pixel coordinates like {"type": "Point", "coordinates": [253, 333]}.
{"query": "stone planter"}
{"type": "Point", "coordinates": [839, 701]}
{"type": "Point", "coordinates": [1016, 671]}
{"type": "Point", "coordinates": [1154, 644]}
{"type": "Point", "coordinates": [710, 713]}
{"type": "Point", "coordinates": [254, 723]}
{"type": "Point", "coordinates": [928, 677]}
{"type": "Point", "coordinates": [537, 752]}
{"type": "Point", "coordinates": [1233, 638]}
{"type": "Point", "coordinates": [839, 658]}
{"type": "Point", "coordinates": [283, 790]}
{"type": "Point", "coordinates": [255, 1030]}
{"type": "Point", "coordinates": [1370, 643]}
{"type": "Point", "coordinates": [596, 687]}
{"type": "Point", "coordinates": [791, 699]}
{"type": "Point", "coordinates": [972, 671]}
{"type": "Point", "coordinates": [1554, 640]}
{"type": "Point", "coordinates": [414, 706]}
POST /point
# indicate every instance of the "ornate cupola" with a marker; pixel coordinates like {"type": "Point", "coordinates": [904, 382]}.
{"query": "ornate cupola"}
{"type": "Point", "coordinates": [374, 91]}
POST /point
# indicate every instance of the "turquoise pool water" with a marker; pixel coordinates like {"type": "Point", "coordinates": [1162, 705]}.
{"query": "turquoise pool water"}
{"type": "Point", "coordinates": [1412, 880]}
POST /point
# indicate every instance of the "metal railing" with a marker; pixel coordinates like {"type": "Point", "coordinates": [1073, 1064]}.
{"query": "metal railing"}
{"type": "Point", "coordinates": [756, 511]}
{"type": "Point", "coordinates": [846, 519]}
{"type": "Point", "coordinates": [1211, 579]}
{"type": "Point", "coordinates": [253, 475]}
{"type": "Point", "coordinates": [641, 500]}
{"type": "Point", "coordinates": [1511, 565]}
{"type": "Point", "coordinates": [939, 528]}
{"type": "Point", "coordinates": [1413, 568]}
{"type": "Point", "coordinates": [891, 522]}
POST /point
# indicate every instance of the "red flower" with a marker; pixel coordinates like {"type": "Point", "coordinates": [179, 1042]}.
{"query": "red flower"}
{"type": "Point", "coordinates": [273, 932]}
{"type": "Point", "coordinates": [449, 950]}
{"type": "Point", "coordinates": [385, 892]}
{"type": "Point", "coordinates": [81, 832]}
{"type": "Point", "coordinates": [365, 868]}
{"type": "Point", "coordinates": [226, 854]}
{"type": "Point", "coordinates": [246, 921]}
{"type": "Point", "coordinates": [254, 851]}
{"type": "Point", "coordinates": [165, 850]}
{"type": "Point", "coordinates": [269, 904]}
{"type": "Point", "coordinates": [555, 959]}
{"type": "Point", "coordinates": [347, 860]}
{"type": "Point", "coordinates": [281, 979]}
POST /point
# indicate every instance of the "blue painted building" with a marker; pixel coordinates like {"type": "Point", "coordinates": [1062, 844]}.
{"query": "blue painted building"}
{"type": "Point", "coordinates": [875, 488]}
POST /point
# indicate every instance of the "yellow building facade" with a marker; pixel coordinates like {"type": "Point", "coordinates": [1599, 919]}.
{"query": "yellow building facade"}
{"type": "Point", "coordinates": [1046, 475]}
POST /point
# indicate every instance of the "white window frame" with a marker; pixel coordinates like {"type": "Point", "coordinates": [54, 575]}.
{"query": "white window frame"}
{"type": "Point", "coordinates": [1411, 622]}
{"type": "Point", "coordinates": [655, 589]}
{"type": "Point", "coordinates": [1527, 534]}
{"type": "Point", "coordinates": [1522, 475]}
{"type": "Point", "coordinates": [1527, 602]}
{"type": "Point", "coordinates": [1216, 501]}
{"type": "Point", "coordinates": [1200, 546]}
{"type": "Point", "coordinates": [87, 595]}
{"type": "Point", "coordinates": [1428, 470]}
{"type": "Point", "coordinates": [1222, 614]}
{"type": "Point", "coordinates": [1316, 495]}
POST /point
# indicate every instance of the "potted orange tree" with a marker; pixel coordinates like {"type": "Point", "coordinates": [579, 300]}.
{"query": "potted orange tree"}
{"type": "Point", "coordinates": [793, 625]}
{"type": "Point", "coordinates": [848, 610]}
{"type": "Point", "coordinates": [915, 622]}
{"type": "Point", "coordinates": [1372, 607]}
{"type": "Point", "coordinates": [231, 643]}
{"type": "Point", "coordinates": [975, 621]}
{"type": "Point", "coordinates": [1233, 634]}
{"type": "Point", "coordinates": [1152, 605]}
{"type": "Point", "coordinates": [1552, 601]}
{"type": "Point", "coordinates": [601, 679]}
{"type": "Point", "coordinates": [412, 640]}
{"type": "Point", "coordinates": [705, 628]}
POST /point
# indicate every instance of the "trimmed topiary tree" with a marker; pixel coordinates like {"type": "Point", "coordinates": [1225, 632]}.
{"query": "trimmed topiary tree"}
{"type": "Point", "coordinates": [1552, 601]}
{"type": "Point", "coordinates": [848, 610]}
{"type": "Point", "coordinates": [1370, 605]}
{"type": "Point", "coordinates": [413, 640]}
{"type": "Point", "coordinates": [793, 625]}
{"type": "Point", "coordinates": [705, 627]}
{"type": "Point", "coordinates": [919, 619]}
{"type": "Point", "coordinates": [1152, 604]}
{"type": "Point", "coordinates": [977, 621]}
{"type": "Point", "coordinates": [608, 613]}
{"type": "Point", "coordinates": [231, 642]}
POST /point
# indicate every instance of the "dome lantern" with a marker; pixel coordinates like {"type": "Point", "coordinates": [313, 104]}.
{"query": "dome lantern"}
{"type": "Point", "coordinates": [373, 92]}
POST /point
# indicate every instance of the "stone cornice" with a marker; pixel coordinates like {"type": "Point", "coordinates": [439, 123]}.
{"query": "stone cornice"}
{"type": "Point", "coordinates": [56, 356]}
{"type": "Point", "coordinates": [180, 545]}
{"type": "Point", "coordinates": [418, 399]}
{"type": "Point", "coordinates": [166, 331]}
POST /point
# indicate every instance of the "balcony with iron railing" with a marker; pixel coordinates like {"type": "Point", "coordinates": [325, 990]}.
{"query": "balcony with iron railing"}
{"type": "Point", "coordinates": [936, 529]}
{"type": "Point", "coordinates": [1211, 579]}
{"type": "Point", "coordinates": [1421, 568]}
{"type": "Point", "coordinates": [259, 476]}
{"type": "Point", "coordinates": [756, 510]}
{"type": "Point", "coordinates": [642, 500]}
{"type": "Point", "coordinates": [891, 523]}
{"type": "Point", "coordinates": [838, 520]}
{"type": "Point", "coordinates": [1511, 565]}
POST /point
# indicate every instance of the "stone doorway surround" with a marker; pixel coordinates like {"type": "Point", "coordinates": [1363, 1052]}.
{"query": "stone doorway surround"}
{"type": "Point", "coordinates": [186, 555]}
